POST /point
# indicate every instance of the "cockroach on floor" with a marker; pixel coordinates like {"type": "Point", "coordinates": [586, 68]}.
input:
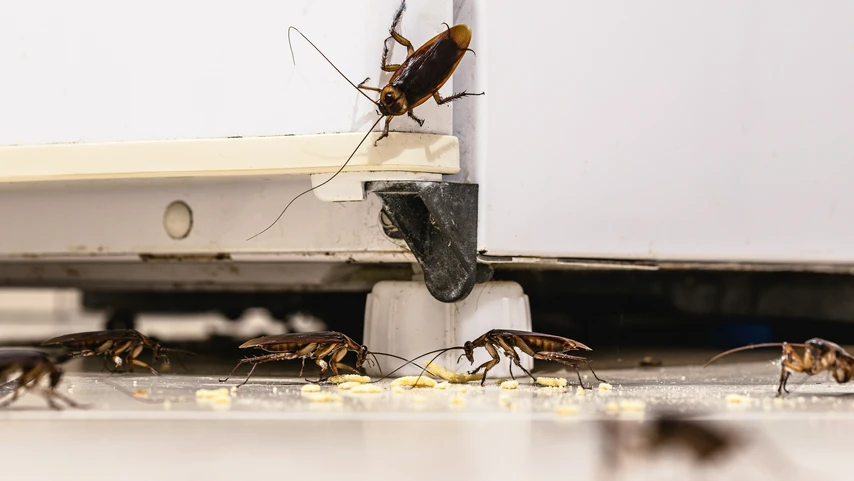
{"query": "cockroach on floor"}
{"type": "Point", "coordinates": [112, 344]}
{"type": "Point", "coordinates": [316, 346]}
{"type": "Point", "coordinates": [413, 82]}
{"type": "Point", "coordinates": [705, 443]}
{"type": "Point", "coordinates": [33, 365]}
{"type": "Point", "coordinates": [819, 355]}
{"type": "Point", "coordinates": [539, 346]}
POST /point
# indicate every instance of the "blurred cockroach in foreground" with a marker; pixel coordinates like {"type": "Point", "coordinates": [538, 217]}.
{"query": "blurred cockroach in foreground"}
{"type": "Point", "coordinates": [33, 366]}
{"type": "Point", "coordinates": [539, 346]}
{"type": "Point", "coordinates": [708, 445]}
{"type": "Point", "coordinates": [819, 356]}
{"type": "Point", "coordinates": [112, 344]}
{"type": "Point", "coordinates": [703, 442]}
{"type": "Point", "coordinates": [413, 82]}
{"type": "Point", "coordinates": [308, 345]}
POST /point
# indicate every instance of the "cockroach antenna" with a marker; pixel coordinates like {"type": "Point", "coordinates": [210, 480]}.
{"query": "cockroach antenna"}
{"type": "Point", "coordinates": [749, 347]}
{"type": "Point", "coordinates": [354, 150]}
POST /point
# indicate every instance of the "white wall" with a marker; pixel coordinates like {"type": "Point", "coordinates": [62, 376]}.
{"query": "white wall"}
{"type": "Point", "coordinates": [662, 130]}
{"type": "Point", "coordinates": [99, 70]}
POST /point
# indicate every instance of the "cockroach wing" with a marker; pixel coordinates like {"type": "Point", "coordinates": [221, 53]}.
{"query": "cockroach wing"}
{"type": "Point", "coordinates": [429, 67]}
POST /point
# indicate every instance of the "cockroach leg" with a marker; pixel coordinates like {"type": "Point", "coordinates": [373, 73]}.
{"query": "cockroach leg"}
{"type": "Point", "coordinates": [137, 362]}
{"type": "Point", "coordinates": [259, 360]}
{"type": "Point", "coordinates": [14, 397]}
{"type": "Point", "coordinates": [443, 100]}
{"type": "Point", "coordinates": [302, 367]}
{"type": "Point", "coordinates": [365, 87]}
{"type": "Point", "coordinates": [384, 65]}
{"type": "Point", "coordinates": [385, 130]}
{"type": "Point", "coordinates": [413, 117]}
{"type": "Point", "coordinates": [398, 37]}
{"type": "Point", "coordinates": [569, 361]}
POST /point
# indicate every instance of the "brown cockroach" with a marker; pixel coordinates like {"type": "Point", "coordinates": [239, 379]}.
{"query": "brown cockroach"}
{"type": "Point", "coordinates": [413, 82]}
{"type": "Point", "coordinates": [819, 356]}
{"type": "Point", "coordinates": [539, 346]}
{"type": "Point", "coordinates": [308, 345]}
{"type": "Point", "coordinates": [33, 365]}
{"type": "Point", "coordinates": [112, 344]}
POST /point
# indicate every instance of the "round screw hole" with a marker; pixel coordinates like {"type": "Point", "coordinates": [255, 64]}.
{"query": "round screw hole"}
{"type": "Point", "coordinates": [178, 220]}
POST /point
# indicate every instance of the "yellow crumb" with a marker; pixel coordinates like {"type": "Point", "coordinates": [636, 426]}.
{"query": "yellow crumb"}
{"type": "Point", "coordinates": [566, 410]}
{"type": "Point", "coordinates": [410, 381]}
{"type": "Point", "coordinates": [349, 385]}
{"type": "Point", "coordinates": [612, 407]}
{"type": "Point", "coordinates": [442, 385]}
{"type": "Point", "coordinates": [366, 389]}
{"type": "Point", "coordinates": [509, 384]}
{"type": "Point", "coordinates": [450, 376]}
{"type": "Point", "coordinates": [604, 386]}
{"type": "Point", "coordinates": [398, 390]}
{"type": "Point", "coordinates": [580, 391]}
{"type": "Point", "coordinates": [140, 393]}
{"type": "Point", "coordinates": [736, 399]}
{"type": "Point", "coordinates": [233, 390]}
{"type": "Point", "coordinates": [323, 397]}
{"type": "Point", "coordinates": [340, 379]}
{"type": "Point", "coordinates": [778, 401]}
{"type": "Point", "coordinates": [632, 405]}
{"type": "Point", "coordinates": [211, 393]}
{"type": "Point", "coordinates": [419, 399]}
{"type": "Point", "coordinates": [552, 381]}
{"type": "Point", "coordinates": [310, 388]}
{"type": "Point", "coordinates": [458, 400]}
{"type": "Point", "coordinates": [463, 389]}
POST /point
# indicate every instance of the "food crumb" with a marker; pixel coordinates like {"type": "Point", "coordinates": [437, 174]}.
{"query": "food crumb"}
{"type": "Point", "coordinates": [348, 385]}
{"type": "Point", "coordinates": [442, 385]}
{"type": "Point", "coordinates": [455, 377]}
{"type": "Point", "coordinates": [366, 389]}
{"type": "Point", "coordinates": [580, 391]}
{"type": "Point", "coordinates": [736, 399]}
{"type": "Point", "coordinates": [566, 410]}
{"type": "Point", "coordinates": [463, 389]}
{"type": "Point", "coordinates": [211, 393]}
{"type": "Point", "coordinates": [778, 402]}
{"type": "Point", "coordinates": [458, 400]}
{"type": "Point", "coordinates": [612, 407]}
{"type": "Point", "coordinates": [140, 393]}
{"type": "Point", "coordinates": [410, 381]}
{"type": "Point", "coordinates": [552, 381]}
{"type": "Point", "coordinates": [342, 378]}
{"type": "Point", "coordinates": [632, 405]}
{"type": "Point", "coordinates": [509, 384]}
{"type": "Point", "coordinates": [310, 388]}
{"type": "Point", "coordinates": [419, 399]}
{"type": "Point", "coordinates": [323, 397]}
{"type": "Point", "coordinates": [604, 386]}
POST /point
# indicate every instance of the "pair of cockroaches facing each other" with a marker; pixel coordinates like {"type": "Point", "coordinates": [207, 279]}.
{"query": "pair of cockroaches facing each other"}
{"type": "Point", "coordinates": [414, 81]}
{"type": "Point", "coordinates": [318, 346]}
{"type": "Point", "coordinates": [819, 356]}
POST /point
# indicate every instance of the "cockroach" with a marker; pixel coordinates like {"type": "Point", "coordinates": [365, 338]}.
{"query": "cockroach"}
{"type": "Point", "coordinates": [112, 344]}
{"type": "Point", "coordinates": [819, 356]}
{"type": "Point", "coordinates": [413, 82]}
{"type": "Point", "coordinates": [33, 365]}
{"type": "Point", "coordinates": [703, 442]}
{"type": "Point", "coordinates": [707, 444]}
{"type": "Point", "coordinates": [308, 345]}
{"type": "Point", "coordinates": [539, 346]}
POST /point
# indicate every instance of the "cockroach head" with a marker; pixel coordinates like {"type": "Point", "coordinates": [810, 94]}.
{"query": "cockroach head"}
{"type": "Point", "coordinates": [469, 352]}
{"type": "Point", "coordinates": [361, 356]}
{"type": "Point", "coordinates": [392, 101]}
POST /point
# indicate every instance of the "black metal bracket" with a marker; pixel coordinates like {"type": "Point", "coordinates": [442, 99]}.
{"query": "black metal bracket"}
{"type": "Point", "coordinates": [438, 221]}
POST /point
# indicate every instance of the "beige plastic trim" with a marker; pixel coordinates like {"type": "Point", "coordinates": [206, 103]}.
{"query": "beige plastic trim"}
{"type": "Point", "coordinates": [247, 156]}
